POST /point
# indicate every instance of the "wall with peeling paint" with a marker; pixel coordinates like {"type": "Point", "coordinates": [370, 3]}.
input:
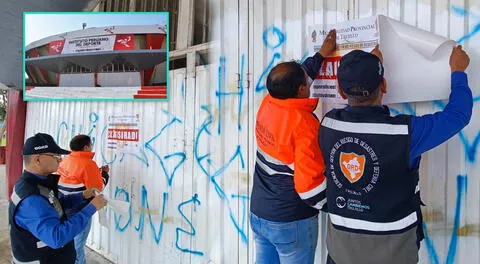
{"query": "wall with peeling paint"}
{"type": "Point", "coordinates": [189, 180]}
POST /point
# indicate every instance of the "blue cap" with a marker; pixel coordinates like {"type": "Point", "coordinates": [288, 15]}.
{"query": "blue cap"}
{"type": "Point", "coordinates": [362, 70]}
{"type": "Point", "coordinates": [42, 143]}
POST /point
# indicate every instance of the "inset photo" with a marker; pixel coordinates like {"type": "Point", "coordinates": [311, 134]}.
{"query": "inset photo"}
{"type": "Point", "coordinates": [96, 56]}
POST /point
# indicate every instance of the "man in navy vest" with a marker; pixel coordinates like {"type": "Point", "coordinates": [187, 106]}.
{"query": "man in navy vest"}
{"type": "Point", "coordinates": [372, 161]}
{"type": "Point", "coordinates": [39, 229]}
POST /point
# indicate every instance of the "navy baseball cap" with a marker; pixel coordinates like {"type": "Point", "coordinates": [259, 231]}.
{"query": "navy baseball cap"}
{"type": "Point", "coordinates": [359, 69]}
{"type": "Point", "coordinates": [42, 143]}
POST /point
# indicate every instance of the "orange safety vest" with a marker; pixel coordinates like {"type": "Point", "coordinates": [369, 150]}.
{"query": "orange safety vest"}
{"type": "Point", "coordinates": [287, 139]}
{"type": "Point", "coordinates": [79, 172]}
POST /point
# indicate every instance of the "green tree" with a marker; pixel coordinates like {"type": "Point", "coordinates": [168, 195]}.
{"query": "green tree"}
{"type": "Point", "coordinates": [3, 104]}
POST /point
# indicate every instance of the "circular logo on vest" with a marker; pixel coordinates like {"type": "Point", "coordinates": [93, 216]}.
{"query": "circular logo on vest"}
{"type": "Point", "coordinates": [353, 166]}
{"type": "Point", "coordinates": [341, 202]}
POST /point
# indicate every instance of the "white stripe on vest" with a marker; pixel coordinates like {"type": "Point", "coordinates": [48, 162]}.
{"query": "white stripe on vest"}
{"type": "Point", "coordinates": [16, 261]}
{"type": "Point", "coordinates": [373, 226]}
{"type": "Point", "coordinates": [366, 128]}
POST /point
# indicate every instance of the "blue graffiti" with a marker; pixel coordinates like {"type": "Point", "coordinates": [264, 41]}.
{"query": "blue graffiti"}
{"type": "Point", "coordinates": [64, 125]}
{"type": "Point", "coordinates": [192, 233]}
{"type": "Point", "coordinates": [181, 155]}
{"type": "Point", "coordinates": [93, 117]}
{"type": "Point", "coordinates": [141, 156]}
{"type": "Point", "coordinates": [470, 148]}
{"type": "Point", "coordinates": [178, 158]}
{"type": "Point", "coordinates": [182, 87]}
{"type": "Point", "coordinates": [261, 81]}
{"type": "Point", "coordinates": [471, 154]}
{"type": "Point", "coordinates": [157, 235]}
{"type": "Point", "coordinates": [244, 199]}
{"type": "Point", "coordinates": [277, 33]}
{"type": "Point", "coordinates": [271, 43]}
{"type": "Point", "coordinates": [207, 167]}
{"type": "Point", "coordinates": [221, 95]}
{"type": "Point", "coordinates": [144, 212]}
{"type": "Point", "coordinates": [118, 218]}
{"type": "Point", "coordinates": [102, 147]}
{"type": "Point", "coordinates": [432, 253]}
{"type": "Point", "coordinates": [71, 129]}
{"type": "Point", "coordinates": [476, 28]}
{"type": "Point", "coordinates": [240, 91]}
{"type": "Point", "coordinates": [462, 184]}
{"type": "Point", "coordinates": [409, 108]}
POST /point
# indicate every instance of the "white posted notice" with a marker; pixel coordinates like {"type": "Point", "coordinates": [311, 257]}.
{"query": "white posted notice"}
{"type": "Point", "coordinates": [415, 60]}
{"type": "Point", "coordinates": [123, 132]}
{"type": "Point", "coordinates": [356, 34]}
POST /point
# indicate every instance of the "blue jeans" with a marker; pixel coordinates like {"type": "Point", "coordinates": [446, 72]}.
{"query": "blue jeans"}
{"type": "Point", "coordinates": [285, 242]}
{"type": "Point", "coordinates": [80, 240]}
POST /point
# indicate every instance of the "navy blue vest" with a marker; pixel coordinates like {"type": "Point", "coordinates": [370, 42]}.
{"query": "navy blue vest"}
{"type": "Point", "coordinates": [370, 187]}
{"type": "Point", "coordinates": [25, 246]}
{"type": "Point", "coordinates": [274, 197]}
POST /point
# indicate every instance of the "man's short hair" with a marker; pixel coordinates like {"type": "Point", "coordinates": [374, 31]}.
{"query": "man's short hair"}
{"type": "Point", "coordinates": [360, 99]}
{"type": "Point", "coordinates": [284, 80]}
{"type": "Point", "coordinates": [78, 142]}
{"type": "Point", "coordinates": [27, 159]}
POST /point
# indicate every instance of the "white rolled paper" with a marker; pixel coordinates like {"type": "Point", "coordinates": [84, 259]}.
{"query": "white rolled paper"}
{"type": "Point", "coordinates": [416, 61]}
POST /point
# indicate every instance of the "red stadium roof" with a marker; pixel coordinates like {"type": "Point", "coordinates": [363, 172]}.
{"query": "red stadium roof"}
{"type": "Point", "coordinates": [100, 31]}
{"type": "Point", "coordinates": [141, 59]}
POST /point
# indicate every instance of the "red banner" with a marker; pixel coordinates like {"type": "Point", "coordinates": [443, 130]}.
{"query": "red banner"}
{"type": "Point", "coordinates": [33, 53]}
{"type": "Point", "coordinates": [124, 42]}
{"type": "Point", "coordinates": [123, 134]}
{"type": "Point", "coordinates": [155, 41]}
{"type": "Point", "coordinates": [55, 47]}
{"type": "Point", "coordinates": [329, 67]}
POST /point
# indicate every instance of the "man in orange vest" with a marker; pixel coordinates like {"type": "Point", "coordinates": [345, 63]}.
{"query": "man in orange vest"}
{"type": "Point", "coordinates": [79, 172]}
{"type": "Point", "coordinates": [289, 185]}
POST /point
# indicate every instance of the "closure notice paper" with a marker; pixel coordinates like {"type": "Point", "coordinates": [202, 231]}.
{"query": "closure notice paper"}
{"type": "Point", "coordinates": [416, 61]}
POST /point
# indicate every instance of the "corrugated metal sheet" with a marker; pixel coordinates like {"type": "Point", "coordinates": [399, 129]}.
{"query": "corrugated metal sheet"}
{"type": "Point", "coordinates": [189, 181]}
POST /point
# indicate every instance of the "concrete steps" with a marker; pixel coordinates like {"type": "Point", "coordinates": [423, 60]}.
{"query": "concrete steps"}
{"type": "Point", "coordinates": [83, 92]}
{"type": "Point", "coordinates": [152, 92]}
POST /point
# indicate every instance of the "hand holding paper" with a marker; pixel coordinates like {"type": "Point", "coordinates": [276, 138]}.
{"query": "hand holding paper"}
{"type": "Point", "coordinates": [329, 44]}
{"type": "Point", "coordinates": [459, 59]}
{"type": "Point", "coordinates": [90, 192]}
{"type": "Point", "coordinates": [376, 51]}
{"type": "Point", "coordinates": [105, 168]}
{"type": "Point", "coordinates": [99, 202]}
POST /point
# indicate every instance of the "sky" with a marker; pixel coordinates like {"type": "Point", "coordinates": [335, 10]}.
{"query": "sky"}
{"type": "Point", "coordinates": [38, 26]}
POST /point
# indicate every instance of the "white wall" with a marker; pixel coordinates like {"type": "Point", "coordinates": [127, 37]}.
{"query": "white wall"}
{"type": "Point", "coordinates": [77, 80]}
{"type": "Point", "coordinates": [119, 79]}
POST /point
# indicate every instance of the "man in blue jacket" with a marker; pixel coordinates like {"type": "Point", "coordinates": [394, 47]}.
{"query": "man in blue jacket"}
{"type": "Point", "coordinates": [372, 162]}
{"type": "Point", "coordinates": [40, 231]}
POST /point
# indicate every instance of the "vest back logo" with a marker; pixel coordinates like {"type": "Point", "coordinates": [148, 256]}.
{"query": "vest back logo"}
{"type": "Point", "coordinates": [352, 166]}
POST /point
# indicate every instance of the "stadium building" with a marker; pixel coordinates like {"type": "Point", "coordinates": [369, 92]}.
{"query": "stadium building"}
{"type": "Point", "coordinates": [124, 61]}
